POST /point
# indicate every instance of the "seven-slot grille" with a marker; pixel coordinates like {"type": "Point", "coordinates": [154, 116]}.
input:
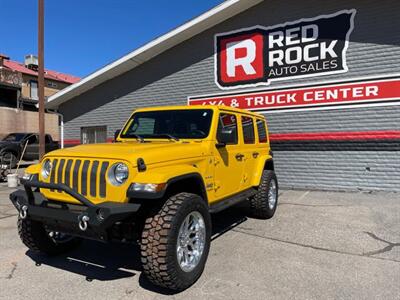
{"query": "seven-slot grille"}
{"type": "Point", "coordinates": [87, 177]}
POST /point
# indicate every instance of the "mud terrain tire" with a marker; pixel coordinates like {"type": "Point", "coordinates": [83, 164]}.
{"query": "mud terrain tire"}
{"type": "Point", "coordinates": [261, 205]}
{"type": "Point", "coordinates": [160, 237]}
{"type": "Point", "coordinates": [37, 239]}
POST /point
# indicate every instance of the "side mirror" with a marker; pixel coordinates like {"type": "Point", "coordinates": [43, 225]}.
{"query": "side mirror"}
{"type": "Point", "coordinates": [116, 134]}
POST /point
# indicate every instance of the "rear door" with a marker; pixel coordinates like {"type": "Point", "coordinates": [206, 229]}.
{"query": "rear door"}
{"type": "Point", "coordinates": [228, 165]}
{"type": "Point", "coordinates": [249, 149]}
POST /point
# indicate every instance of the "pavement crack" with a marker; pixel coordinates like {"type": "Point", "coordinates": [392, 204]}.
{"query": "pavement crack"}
{"type": "Point", "coordinates": [315, 247]}
{"type": "Point", "coordinates": [11, 274]}
{"type": "Point", "coordinates": [7, 216]}
{"type": "Point", "coordinates": [388, 248]}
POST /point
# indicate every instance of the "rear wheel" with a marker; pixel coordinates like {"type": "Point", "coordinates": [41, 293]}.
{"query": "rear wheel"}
{"type": "Point", "coordinates": [9, 159]}
{"type": "Point", "coordinates": [263, 204]}
{"type": "Point", "coordinates": [37, 238]}
{"type": "Point", "coordinates": [175, 242]}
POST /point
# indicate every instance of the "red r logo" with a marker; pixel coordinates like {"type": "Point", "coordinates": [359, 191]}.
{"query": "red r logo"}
{"type": "Point", "coordinates": [240, 58]}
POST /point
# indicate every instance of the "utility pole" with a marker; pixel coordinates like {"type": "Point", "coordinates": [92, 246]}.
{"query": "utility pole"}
{"type": "Point", "coordinates": [41, 79]}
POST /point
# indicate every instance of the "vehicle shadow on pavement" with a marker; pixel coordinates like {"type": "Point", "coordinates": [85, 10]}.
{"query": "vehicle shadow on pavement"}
{"type": "Point", "coordinates": [105, 262]}
{"type": "Point", "coordinates": [95, 260]}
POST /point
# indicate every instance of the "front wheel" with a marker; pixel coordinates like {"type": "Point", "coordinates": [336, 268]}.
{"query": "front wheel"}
{"type": "Point", "coordinates": [38, 239]}
{"type": "Point", "coordinates": [176, 241]}
{"type": "Point", "coordinates": [263, 204]}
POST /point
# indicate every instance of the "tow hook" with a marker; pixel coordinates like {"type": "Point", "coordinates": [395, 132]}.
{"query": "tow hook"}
{"type": "Point", "coordinates": [83, 222]}
{"type": "Point", "coordinates": [23, 212]}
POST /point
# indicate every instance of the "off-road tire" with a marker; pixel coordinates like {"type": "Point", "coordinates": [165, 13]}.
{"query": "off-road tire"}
{"type": "Point", "coordinates": [259, 207]}
{"type": "Point", "coordinates": [35, 237]}
{"type": "Point", "coordinates": [159, 242]}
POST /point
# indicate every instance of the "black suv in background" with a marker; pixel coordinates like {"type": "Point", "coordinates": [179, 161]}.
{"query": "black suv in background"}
{"type": "Point", "coordinates": [12, 145]}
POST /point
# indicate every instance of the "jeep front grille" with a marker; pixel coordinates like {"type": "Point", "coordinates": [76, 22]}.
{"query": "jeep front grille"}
{"type": "Point", "coordinates": [87, 177]}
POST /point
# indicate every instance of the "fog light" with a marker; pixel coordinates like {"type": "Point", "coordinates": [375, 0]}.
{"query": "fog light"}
{"type": "Point", "coordinates": [101, 214]}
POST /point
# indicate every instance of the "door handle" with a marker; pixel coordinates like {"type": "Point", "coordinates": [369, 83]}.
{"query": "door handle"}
{"type": "Point", "coordinates": [239, 156]}
{"type": "Point", "coordinates": [255, 154]}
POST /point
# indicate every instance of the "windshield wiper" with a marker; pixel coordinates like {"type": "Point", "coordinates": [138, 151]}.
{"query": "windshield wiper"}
{"type": "Point", "coordinates": [169, 136]}
{"type": "Point", "coordinates": [137, 137]}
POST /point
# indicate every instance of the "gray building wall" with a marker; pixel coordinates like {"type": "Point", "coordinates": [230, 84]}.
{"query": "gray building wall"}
{"type": "Point", "coordinates": [188, 69]}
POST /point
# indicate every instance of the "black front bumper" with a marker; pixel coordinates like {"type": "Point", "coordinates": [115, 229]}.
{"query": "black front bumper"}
{"type": "Point", "coordinates": [87, 220]}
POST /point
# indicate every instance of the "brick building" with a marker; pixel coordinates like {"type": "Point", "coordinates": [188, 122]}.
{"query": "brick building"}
{"type": "Point", "coordinates": [326, 75]}
{"type": "Point", "coordinates": [19, 95]}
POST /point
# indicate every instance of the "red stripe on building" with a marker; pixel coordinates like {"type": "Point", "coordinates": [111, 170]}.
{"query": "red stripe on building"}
{"type": "Point", "coordinates": [314, 136]}
{"type": "Point", "coordinates": [336, 136]}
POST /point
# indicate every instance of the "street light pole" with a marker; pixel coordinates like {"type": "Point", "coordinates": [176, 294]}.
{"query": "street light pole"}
{"type": "Point", "coordinates": [41, 79]}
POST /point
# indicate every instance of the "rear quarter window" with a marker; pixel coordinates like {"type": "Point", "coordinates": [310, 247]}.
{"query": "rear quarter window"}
{"type": "Point", "coordinates": [262, 131]}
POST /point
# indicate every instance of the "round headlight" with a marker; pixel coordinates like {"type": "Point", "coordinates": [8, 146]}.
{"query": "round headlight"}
{"type": "Point", "coordinates": [46, 169]}
{"type": "Point", "coordinates": [118, 173]}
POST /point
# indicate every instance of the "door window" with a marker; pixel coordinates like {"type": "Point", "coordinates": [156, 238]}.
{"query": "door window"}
{"type": "Point", "coordinates": [33, 139]}
{"type": "Point", "coordinates": [227, 129]}
{"type": "Point", "coordinates": [248, 130]}
{"type": "Point", "coordinates": [94, 135]}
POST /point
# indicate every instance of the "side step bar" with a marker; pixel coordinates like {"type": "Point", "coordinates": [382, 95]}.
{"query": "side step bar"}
{"type": "Point", "coordinates": [232, 200]}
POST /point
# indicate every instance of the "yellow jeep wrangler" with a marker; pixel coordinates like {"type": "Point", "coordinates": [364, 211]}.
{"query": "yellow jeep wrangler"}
{"type": "Point", "coordinates": [169, 168]}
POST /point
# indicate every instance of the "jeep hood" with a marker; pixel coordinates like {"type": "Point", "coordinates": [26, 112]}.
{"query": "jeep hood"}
{"type": "Point", "coordinates": [152, 152]}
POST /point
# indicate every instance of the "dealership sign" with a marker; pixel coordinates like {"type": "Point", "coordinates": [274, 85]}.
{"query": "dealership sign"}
{"type": "Point", "coordinates": [308, 47]}
{"type": "Point", "coordinates": [362, 92]}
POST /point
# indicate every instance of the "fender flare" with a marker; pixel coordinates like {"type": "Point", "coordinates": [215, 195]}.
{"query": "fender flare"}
{"type": "Point", "coordinates": [166, 175]}
{"type": "Point", "coordinates": [260, 168]}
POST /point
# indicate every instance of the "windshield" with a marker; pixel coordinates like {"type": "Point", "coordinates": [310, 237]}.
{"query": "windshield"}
{"type": "Point", "coordinates": [178, 124]}
{"type": "Point", "coordinates": [14, 137]}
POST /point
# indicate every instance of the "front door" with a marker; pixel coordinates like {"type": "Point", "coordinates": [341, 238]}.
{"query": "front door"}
{"type": "Point", "coordinates": [228, 162]}
{"type": "Point", "coordinates": [32, 149]}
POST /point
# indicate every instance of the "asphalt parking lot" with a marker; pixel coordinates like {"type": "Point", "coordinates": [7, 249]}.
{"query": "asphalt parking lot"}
{"type": "Point", "coordinates": [319, 245]}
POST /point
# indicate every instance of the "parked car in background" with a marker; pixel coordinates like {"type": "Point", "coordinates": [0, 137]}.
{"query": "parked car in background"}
{"type": "Point", "coordinates": [12, 145]}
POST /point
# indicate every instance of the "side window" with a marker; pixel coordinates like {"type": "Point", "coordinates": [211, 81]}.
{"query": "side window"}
{"type": "Point", "coordinates": [32, 140]}
{"type": "Point", "coordinates": [34, 90]}
{"type": "Point", "coordinates": [262, 131]}
{"type": "Point", "coordinates": [47, 139]}
{"type": "Point", "coordinates": [227, 129]}
{"type": "Point", "coordinates": [248, 130]}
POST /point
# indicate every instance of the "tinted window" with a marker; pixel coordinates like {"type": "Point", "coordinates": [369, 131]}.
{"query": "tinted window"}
{"type": "Point", "coordinates": [47, 139]}
{"type": "Point", "coordinates": [14, 137]}
{"type": "Point", "coordinates": [189, 123]}
{"type": "Point", "coordinates": [32, 140]}
{"type": "Point", "coordinates": [227, 128]}
{"type": "Point", "coordinates": [262, 131]}
{"type": "Point", "coordinates": [248, 130]}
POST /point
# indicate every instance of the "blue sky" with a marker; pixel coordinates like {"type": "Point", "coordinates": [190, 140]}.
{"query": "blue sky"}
{"type": "Point", "coordinates": [81, 36]}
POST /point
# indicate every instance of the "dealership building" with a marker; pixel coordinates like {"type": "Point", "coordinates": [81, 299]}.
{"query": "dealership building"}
{"type": "Point", "coordinates": [325, 74]}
